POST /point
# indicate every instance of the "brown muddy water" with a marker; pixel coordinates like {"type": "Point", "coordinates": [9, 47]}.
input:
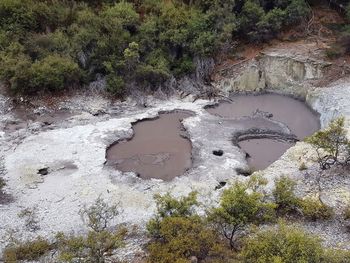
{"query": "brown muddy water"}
{"type": "Point", "coordinates": [300, 119]}
{"type": "Point", "coordinates": [296, 115]}
{"type": "Point", "coordinates": [263, 152]}
{"type": "Point", "coordinates": [157, 149]}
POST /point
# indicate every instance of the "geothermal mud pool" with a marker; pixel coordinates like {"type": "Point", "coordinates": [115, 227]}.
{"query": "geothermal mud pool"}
{"type": "Point", "coordinates": [158, 148]}
{"type": "Point", "coordinates": [265, 126]}
{"type": "Point", "coordinates": [261, 151]}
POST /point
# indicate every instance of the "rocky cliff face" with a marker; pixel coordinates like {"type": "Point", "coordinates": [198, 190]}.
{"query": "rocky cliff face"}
{"type": "Point", "coordinates": [274, 70]}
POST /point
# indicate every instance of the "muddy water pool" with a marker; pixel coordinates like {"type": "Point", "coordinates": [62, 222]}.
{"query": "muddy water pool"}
{"type": "Point", "coordinates": [158, 148]}
{"type": "Point", "coordinates": [292, 113]}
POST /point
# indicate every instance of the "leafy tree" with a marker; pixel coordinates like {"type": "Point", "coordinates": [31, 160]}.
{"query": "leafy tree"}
{"type": "Point", "coordinates": [331, 144]}
{"type": "Point", "coordinates": [168, 206]}
{"type": "Point", "coordinates": [252, 14]}
{"type": "Point", "coordinates": [241, 205]}
{"type": "Point", "coordinates": [296, 11]}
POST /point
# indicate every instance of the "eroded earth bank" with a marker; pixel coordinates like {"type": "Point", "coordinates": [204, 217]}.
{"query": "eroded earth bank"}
{"type": "Point", "coordinates": [54, 160]}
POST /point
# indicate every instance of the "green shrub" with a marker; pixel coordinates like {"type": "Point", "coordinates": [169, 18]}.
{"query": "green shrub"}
{"type": "Point", "coordinates": [177, 233]}
{"type": "Point", "coordinates": [334, 52]}
{"type": "Point", "coordinates": [99, 242]}
{"type": "Point", "coordinates": [346, 213]}
{"type": "Point", "coordinates": [31, 250]}
{"type": "Point", "coordinates": [331, 144]}
{"type": "Point", "coordinates": [240, 206]}
{"type": "Point", "coordinates": [181, 238]}
{"type": "Point", "coordinates": [282, 244]}
{"type": "Point", "coordinates": [336, 256]}
{"type": "Point", "coordinates": [115, 85]}
{"type": "Point", "coordinates": [93, 247]}
{"type": "Point", "coordinates": [168, 206]}
{"type": "Point", "coordinates": [2, 184]}
{"type": "Point", "coordinates": [313, 209]}
{"type": "Point", "coordinates": [284, 195]}
{"type": "Point", "coordinates": [302, 167]}
{"type": "Point", "coordinates": [53, 73]}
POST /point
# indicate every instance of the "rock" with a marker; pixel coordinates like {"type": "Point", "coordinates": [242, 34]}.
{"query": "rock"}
{"type": "Point", "coordinates": [274, 69]}
{"type": "Point", "coordinates": [43, 171]}
{"type": "Point", "coordinates": [218, 152]}
{"type": "Point", "coordinates": [193, 259]}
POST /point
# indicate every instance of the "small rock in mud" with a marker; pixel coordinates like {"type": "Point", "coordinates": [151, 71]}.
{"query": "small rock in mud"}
{"type": "Point", "coordinates": [43, 171]}
{"type": "Point", "coordinates": [218, 152]}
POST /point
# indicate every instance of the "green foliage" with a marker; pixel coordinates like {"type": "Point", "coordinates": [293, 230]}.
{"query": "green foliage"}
{"type": "Point", "coordinates": [241, 205]}
{"type": "Point", "coordinates": [100, 240]}
{"type": "Point", "coordinates": [178, 233]}
{"type": "Point", "coordinates": [99, 215]}
{"type": "Point", "coordinates": [95, 246]}
{"type": "Point", "coordinates": [115, 85]}
{"type": "Point", "coordinates": [284, 196]}
{"type": "Point", "coordinates": [181, 238]}
{"type": "Point", "coordinates": [168, 206]}
{"type": "Point", "coordinates": [347, 213]}
{"type": "Point", "coordinates": [313, 209]}
{"type": "Point", "coordinates": [348, 11]}
{"type": "Point", "coordinates": [334, 52]}
{"type": "Point", "coordinates": [30, 250]}
{"type": "Point", "coordinates": [53, 73]}
{"type": "Point", "coordinates": [91, 248]}
{"type": "Point", "coordinates": [259, 24]}
{"type": "Point", "coordinates": [120, 39]}
{"type": "Point", "coordinates": [2, 184]}
{"type": "Point", "coordinates": [284, 244]}
{"type": "Point", "coordinates": [332, 145]}
{"type": "Point", "coordinates": [302, 167]}
{"type": "Point", "coordinates": [336, 256]}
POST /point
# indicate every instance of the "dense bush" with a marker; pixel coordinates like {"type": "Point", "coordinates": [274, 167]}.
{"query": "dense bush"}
{"type": "Point", "coordinates": [241, 206]}
{"type": "Point", "coordinates": [31, 250]}
{"type": "Point", "coordinates": [2, 184]}
{"type": "Point", "coordinates": [168, 206]}
{"type": "Point", "coordinates": [284, 196]}
{"type": "Point", "coordinates": [313, 209]}
{"type": "Point", "coordinates": [284, 244]}
{"type": "Point", "coordinates": [51, 45]}
{"type": "Point", "coordinates": [179, 234]}
{"type": "Point", "coordinates": [181, 238]}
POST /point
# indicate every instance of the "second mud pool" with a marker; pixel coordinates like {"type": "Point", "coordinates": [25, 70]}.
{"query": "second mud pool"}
{"type": "Point", "coordinates": [297, 118]}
